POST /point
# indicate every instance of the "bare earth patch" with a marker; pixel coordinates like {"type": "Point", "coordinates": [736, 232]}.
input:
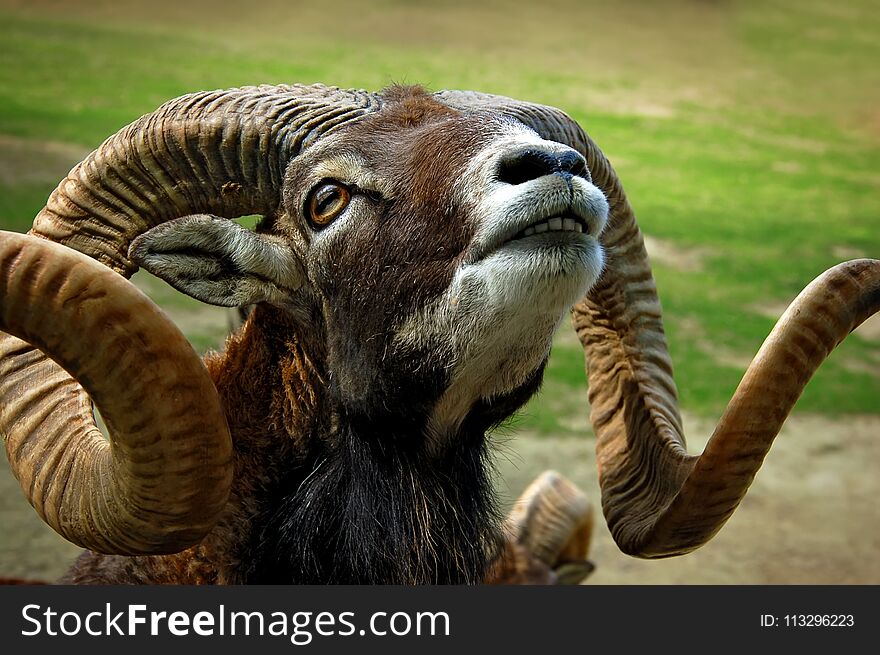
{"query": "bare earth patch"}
{"type": "Point", "coordinates": [811, 516]}
{"type": "Point", "coordinates": [870, 329]}
{"type": "Point", "coordinates": [718, 352]}
{"type": "Point", "coordinates": [31, 161]}
{"type": "Point", "coordinates": [847, 252]}
{"type": "Point", "coordinates": [672, 255]}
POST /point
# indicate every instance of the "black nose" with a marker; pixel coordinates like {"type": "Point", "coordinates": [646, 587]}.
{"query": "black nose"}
{"type": "Point", "coordinates": [531, 163]}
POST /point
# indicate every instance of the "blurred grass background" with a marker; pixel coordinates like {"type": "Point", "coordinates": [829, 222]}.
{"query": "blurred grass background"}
{"type": "Point", "coordinates": [747, 135]}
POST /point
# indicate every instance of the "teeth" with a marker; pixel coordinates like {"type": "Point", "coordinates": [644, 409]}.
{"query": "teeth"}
{"type": "Point", "coordinates": [555, 224]}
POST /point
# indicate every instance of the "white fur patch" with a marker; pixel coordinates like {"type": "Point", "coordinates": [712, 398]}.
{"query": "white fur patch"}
{"type": "Point", "coordinates": [496, 321]}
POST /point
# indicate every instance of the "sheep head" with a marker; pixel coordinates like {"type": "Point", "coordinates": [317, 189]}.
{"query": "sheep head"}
{"type": "Point", "coordinates": [406, 231]}
{"type": "Point", "coordinates": [408, 240]}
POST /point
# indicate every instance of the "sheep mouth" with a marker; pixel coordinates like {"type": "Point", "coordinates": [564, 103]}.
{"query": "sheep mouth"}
{"type": "Point", "coordinates": [564, 228]}
{"type": "Point", "coordinates": [560, 223]}
{"type": "Point", "coordinates": [542, 219]}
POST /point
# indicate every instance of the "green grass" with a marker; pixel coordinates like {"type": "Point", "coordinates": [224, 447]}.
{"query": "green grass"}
{"type": "Point", "coordinates": [747, 132]}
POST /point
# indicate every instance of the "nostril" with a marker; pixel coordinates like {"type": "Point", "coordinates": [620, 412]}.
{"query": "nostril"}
{"type": "Point", "coordinates": [571, 161]}
{"type": "Point", "coordinates": [524, 165]}
{"type": "Point", "coordinates": [531, 163]}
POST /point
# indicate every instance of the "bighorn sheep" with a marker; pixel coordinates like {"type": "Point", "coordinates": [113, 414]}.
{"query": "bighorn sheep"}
{"type": "Point", "coordinates": [416, 255]}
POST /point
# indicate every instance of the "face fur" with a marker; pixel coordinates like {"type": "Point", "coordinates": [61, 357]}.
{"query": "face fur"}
{"type": "Point", "coordinates": [447, 272]}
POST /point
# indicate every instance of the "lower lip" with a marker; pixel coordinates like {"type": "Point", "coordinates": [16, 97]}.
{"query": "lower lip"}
{"type": "Point", "coordinates": [567, 234]}
{"type": "Point", "coordinates": [538, 241]}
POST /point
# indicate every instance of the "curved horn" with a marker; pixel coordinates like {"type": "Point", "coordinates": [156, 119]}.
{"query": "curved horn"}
{"type": "Point", "coordinates": [219, 152]}
{"type": "Point", "coordinates": [552, 520]}
{"type": "Point", "coordinates": [658, 500]}
{"type": "Point", "coordinates": [169, 438]}
{"type": "Point", "coordinates": [215, 152]}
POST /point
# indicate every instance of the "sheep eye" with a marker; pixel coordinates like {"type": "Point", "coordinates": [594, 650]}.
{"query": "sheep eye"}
{"type": "Point", "coordinates": [326, 202]}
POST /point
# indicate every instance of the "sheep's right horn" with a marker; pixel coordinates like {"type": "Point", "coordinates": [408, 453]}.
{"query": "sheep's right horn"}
{"type": "Point", "coordinates": [163, 478]}
{"type": "Point", "coordinates": [220, 152]}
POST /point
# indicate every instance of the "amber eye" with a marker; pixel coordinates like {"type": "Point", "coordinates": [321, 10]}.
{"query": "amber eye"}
{"type": "Point", "coordinates": [326, 202]}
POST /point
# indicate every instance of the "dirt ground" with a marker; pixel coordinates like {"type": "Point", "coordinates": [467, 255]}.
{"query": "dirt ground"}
{"type": "Point", "coordinates": [811, 517]}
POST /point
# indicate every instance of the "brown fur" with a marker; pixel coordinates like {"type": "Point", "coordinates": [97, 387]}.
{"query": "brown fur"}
{"type": "Point", "coordinates": [300, 383]}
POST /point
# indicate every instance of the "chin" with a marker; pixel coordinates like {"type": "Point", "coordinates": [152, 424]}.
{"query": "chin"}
{"type": "Point", "coordinates": [544, 273]}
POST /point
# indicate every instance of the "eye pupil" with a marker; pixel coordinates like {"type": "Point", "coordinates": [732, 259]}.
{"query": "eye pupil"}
{"type": "Point", "coordinates": [327, 202]}
{"type": "Point", "coordinates": [326, 199]}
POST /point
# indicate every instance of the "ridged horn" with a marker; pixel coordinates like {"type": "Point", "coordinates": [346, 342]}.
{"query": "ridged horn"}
{"type": "Point", "coordinates": [658, 500]}
{"type": "Point", "coordinates": [219, 152]}
{"type": "Point", "coordinates": [552, 520]}
{"type": "Point", "coordinates": [160, 482]}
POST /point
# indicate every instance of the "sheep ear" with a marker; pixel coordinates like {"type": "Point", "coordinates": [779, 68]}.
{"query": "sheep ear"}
{"type": "Point", "coordinates": [219, 262]}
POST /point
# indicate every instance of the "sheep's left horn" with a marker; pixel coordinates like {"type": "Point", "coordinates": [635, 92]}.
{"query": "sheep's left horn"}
{"type": "Point", "coordinates": [161, 482]}
{"type": "Point", "coordinates": [658, 500]}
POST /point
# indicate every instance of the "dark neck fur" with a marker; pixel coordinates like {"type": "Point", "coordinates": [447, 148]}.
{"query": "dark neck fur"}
{"type": "Point", "coordinates": [335, 494]}
{"type": "Point", "coordinates": [361, 512]}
